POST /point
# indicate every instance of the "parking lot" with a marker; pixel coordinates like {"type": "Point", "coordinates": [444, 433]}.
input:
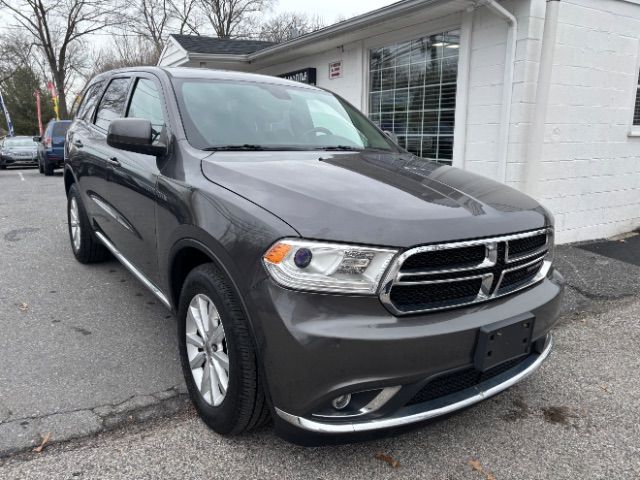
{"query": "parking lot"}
{"type": "Point", "coordinates": [87, 350]}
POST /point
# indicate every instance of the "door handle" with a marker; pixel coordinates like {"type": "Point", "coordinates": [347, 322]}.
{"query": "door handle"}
{"type": "Point", "coordinates": [113, 161]}
{"type": "Point", "coordinates": [78, 143]}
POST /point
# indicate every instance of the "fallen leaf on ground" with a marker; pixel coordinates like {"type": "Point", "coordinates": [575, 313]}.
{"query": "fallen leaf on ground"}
{"type": "Point", "coordinates": [23, 307]}
{"type": "Point", "coordinates": [388, 459]}
{"type": "Point", "coordinates": [44, 442]}
{"type": "Point", "coordinates": [477, 466]}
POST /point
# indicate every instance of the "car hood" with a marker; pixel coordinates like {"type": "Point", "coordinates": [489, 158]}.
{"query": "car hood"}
{"type": "Point", "coordinates": [374, 198]}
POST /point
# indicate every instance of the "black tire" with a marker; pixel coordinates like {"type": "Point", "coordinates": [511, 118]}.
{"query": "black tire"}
{"type": "Point", "coordinates": [3, 167]}
{"type": "Point", "coordinates": [90, 249]}
{"type": "Point", "coordinates": [244, 406]}
{"type": "Point", "coordinates": [48, 169]}
{"type": "Point", "coordinates": [40, 169]}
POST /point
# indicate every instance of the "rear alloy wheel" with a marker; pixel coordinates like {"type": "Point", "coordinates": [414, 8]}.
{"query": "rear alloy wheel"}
{"type": "Point", "coordinates": [84, 244]}
{"type": "Point", "coordinates": [218, 357]}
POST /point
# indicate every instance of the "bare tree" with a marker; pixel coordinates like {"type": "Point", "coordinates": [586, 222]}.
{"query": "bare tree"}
{"type": "Point", "coordinates": [150, 19]}
{"type": "Point", "coordinates": [288, 25]}
{"type": "Point", "coordinates": [125, 51]}
{"type": "Point", "coordinates": [188, 18]}
{"type": "Point", "coordinates": [57, 28]}
{"type": "Point", "coordinates": [234, 18]}
{"type": "Point", "coordinates": [15, 53]}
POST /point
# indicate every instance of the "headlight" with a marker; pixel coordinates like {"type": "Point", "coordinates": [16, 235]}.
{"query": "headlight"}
{"type": "Point", "coordinates": [327, 267]}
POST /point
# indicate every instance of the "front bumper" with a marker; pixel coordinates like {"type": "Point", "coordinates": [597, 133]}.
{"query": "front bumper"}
{"type": "Point", "coordinates": [431, 409]}
{"type": "Point", "coordinates": [316, 347]}
{"type": "Point", "coordinates": [15, 161]}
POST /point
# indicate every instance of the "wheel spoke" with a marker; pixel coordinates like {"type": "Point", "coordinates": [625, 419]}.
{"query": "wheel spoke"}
{"type": "Point", "coordinates": [221, 371]}
{"type": "Point", "coordinates": [198, 360]}
{"type": "Point", "coordinates": [195, 340]}
{"type": "Point", "coordinates": [216, 335]}
{"type": "Point", "coordinates": [205, 387]}
{"type": "Point", "coordinates": [204, 315]}
{"type": "Point", "coordinates": [221, 359]}
{"type": "Point", "coordinates": [195, 316]}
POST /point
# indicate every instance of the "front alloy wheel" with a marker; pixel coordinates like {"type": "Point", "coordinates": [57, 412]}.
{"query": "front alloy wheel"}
{"type": "Point", "coordinates": [217, 353]}
{"type": "Point", "coordinates": [207, 349]}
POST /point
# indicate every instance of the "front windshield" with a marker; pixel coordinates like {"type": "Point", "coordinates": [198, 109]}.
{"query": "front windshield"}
{"type": "Point", "coordinates": [19, 142]}
{"type": "Point", "coordinates": [220, 114]}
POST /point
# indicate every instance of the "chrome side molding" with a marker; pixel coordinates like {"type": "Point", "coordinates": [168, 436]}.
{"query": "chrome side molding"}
{"type": "Point", "coordinates": [136, 273]}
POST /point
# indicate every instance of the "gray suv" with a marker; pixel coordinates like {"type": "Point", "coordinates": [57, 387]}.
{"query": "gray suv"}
{"type": "Point", "coordinates": [320, 275]}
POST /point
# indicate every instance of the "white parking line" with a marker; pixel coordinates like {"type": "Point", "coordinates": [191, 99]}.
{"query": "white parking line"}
{"type": "Point", "coordinates": [21, 176]}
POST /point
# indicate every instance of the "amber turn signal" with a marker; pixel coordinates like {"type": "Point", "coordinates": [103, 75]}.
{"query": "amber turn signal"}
{"type": "Point", "coordinates": [277, 253]}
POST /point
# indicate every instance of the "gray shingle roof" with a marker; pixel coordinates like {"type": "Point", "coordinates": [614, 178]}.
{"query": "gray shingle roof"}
{"type": "Point", "coordinates": [201, 44]}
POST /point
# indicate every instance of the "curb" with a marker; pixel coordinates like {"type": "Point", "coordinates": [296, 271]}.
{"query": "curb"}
{"type": "Point", "coordinates": [27, 433]}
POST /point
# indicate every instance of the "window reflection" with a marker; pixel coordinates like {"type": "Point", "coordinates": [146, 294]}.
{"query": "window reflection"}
{"type": "Point", "coordinates": [412, 92]}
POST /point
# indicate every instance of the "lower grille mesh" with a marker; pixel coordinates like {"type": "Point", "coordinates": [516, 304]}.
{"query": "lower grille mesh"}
{"type": "Point", "coordinates": [458, 381]}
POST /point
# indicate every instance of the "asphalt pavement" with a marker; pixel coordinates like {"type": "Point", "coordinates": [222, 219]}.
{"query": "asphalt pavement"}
{"type": "Point", "coordinates": [80, 345]}
{"type": "Point", "coordinates": [87, 353]}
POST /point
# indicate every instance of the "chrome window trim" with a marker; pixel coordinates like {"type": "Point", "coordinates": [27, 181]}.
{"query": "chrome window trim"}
{"type": "Point", "coordinates": [433, 408]}
{"type": "Point", "coordinates": [393, 275]}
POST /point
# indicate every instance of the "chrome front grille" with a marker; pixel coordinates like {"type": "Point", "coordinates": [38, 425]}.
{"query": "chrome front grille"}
{"type": "Point", "coordinates": [449, 275]}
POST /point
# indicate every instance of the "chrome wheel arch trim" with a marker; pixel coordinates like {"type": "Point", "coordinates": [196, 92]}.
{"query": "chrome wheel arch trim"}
{"type": "Point", "coordinates": [467, 398]}
{"type": "Point", "coordinates": [136, 273]}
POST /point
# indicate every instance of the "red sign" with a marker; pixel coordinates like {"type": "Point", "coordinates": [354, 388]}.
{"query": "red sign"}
{"type": "Point", "coordinates": [335, 70]}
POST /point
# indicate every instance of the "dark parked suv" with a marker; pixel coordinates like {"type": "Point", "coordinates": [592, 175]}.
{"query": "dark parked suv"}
{"type": "Point", "coordinates": [320, 275]}
{"type": "Point", "coordinates": [51, 146]}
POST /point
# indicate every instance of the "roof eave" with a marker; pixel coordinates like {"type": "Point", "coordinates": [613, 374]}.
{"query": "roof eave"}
{"type": "Point", "coordinates": [359, 22]}
{"type": "Point", "coordinates": [219, 57]}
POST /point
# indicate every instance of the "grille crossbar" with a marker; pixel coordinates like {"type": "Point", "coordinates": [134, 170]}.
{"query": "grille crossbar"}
{"type": "Point", "coordinates": [509, 263]}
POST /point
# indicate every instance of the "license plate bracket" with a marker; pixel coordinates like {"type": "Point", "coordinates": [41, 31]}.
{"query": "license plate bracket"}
{"type": "Point", "coordinates": [503, 341]}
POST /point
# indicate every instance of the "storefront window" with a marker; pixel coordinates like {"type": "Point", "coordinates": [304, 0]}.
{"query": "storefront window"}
{"type": "Point", "coordinates": [412, 92]}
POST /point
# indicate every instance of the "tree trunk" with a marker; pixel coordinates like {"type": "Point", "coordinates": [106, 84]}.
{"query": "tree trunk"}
{"type": "Point", "coordinates": [62, 97]}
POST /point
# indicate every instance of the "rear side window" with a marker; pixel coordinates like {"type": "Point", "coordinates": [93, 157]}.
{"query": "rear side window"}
{"type": "Point", "coordinates": [147, 104]}
{"type": "Point", "coordinates": [85, 112]}
{"type": "Point", "coordinates": [60, 129]}
{"type": "Point", "coordinates": [112, 103]}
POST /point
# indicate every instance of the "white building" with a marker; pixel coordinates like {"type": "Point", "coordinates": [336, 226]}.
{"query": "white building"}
{"type": "Point", "coordinates": [434, 72]}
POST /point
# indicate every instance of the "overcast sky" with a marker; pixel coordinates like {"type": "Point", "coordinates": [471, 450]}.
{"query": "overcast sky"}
{"type": "Point", "coordinates": [329, 10]}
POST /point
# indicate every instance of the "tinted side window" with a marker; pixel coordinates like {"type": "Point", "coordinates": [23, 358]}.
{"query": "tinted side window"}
{"type": "Point", "coordinates": [60, 129]}
{"type": "Point", "coordinates": [89, 102]}
{"type": "Point", "coordinates": [113, 102]}
{"type": "Point", "coordinates": [147, 104]}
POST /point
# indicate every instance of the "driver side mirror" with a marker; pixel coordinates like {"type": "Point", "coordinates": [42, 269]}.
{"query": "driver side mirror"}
{"type": "Point", "coordinates": [134, 135]}
{"type": "Point", "coordinates": [392, 136]}
{"type": "Point", "coordinates": [37, 139]}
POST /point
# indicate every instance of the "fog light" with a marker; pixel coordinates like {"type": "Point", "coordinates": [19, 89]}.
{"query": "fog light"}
{"type": "Point", "coordinates": [341, 402]}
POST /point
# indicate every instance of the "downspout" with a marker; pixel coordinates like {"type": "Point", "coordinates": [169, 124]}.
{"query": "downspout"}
{"type": "Point", "coordinates": [536, 139]}
{"type": "Point", "coordinates": [462, 93]}
{"type": "Point", "coordinates": [507, 86]}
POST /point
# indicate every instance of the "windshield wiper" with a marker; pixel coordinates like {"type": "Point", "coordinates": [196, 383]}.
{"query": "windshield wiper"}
{"type": "Point", "coordinates": [236, 148]}
{"type": "Point", "coordinates": [340, 147]}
